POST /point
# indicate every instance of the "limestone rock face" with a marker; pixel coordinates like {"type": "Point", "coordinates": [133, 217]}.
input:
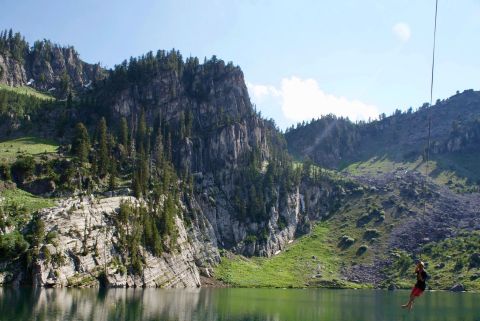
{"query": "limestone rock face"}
{"type": "Point", "coordinates": [50, 68]}
{"type": "Point", "coordinates": [85, 247]}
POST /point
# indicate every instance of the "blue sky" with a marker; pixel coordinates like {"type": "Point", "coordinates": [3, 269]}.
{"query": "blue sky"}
{"type": "Point", "coordinates": [301, 58]}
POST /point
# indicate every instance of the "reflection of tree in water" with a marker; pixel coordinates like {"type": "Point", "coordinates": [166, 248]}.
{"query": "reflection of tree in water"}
{"type": "Point", "coordinates": [16, 304]}
{"type": "Point", "coordinates": [226, 304]}
{"type": "Point", "coordinates": [117, 304]}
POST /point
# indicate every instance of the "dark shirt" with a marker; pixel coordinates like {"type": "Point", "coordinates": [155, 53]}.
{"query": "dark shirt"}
{"type": "Point", "coordinates": [421, 276]}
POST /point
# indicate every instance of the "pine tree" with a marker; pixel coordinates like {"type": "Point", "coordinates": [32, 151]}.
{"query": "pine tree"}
{"type": "Point", "coordinates": [81, 143]}
{"type": "Point", "coordinates": [102, 160]}
{"type": "Point", "coordinates": [124, 132]}
{"type": "Point", "coordinates": [158, 152]}
{"type": "Point", "coordinates": [141, 133]}
{"type": "Point", "coordinates": [112, 178]}
{"type": "Point", "coordinates": [188, 123]}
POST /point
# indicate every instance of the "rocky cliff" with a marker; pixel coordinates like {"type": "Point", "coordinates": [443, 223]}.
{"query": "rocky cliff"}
{"type": "Point", "coordinates": [46, 67]}
{"type": "Point", "coordinates": [225, 132]}
{"type": "Point", "coordinates": [84, 250]}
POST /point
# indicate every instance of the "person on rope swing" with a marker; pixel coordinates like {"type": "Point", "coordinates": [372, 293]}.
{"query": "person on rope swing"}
{"type": "Point", "coordinates": [419, 287]}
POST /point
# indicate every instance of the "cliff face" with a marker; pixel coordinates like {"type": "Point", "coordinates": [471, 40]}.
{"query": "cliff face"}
{"type": "Point", "coordinates": [86, 248]}
{"type": "Point", "coordinates": [225, 126]}
{"type": "Point", "coordinates": [225, 132]}
{"type": "Point", "coordinates": [50, 68]}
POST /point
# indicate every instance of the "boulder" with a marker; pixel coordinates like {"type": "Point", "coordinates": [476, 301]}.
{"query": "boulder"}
{"type": "Point", "coordinates": [392, 287]}
{"type": "Point", "coordinates": [457, 288]}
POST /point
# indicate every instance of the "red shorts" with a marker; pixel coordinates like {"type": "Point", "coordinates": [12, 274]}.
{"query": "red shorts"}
{"type": "Point", "coordinates": [416, 291]}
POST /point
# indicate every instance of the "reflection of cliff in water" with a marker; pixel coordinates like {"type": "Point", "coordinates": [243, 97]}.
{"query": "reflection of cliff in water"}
{"type": "Point", "coordinates": [230, 304]}
{"type": "Point", "coordinates": [93, 304]}
{"type": "Point", "coordinates": [115, 304]}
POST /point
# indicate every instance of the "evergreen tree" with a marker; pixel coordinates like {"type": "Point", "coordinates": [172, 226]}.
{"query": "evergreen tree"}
{"type": "Point", "coordinates": [141, 133]}
{"type": "Point", "coordinates": [158, 152]}
{"type": "Point", "coordinates": [112, 178]}
{"type": "Point", "coordinates": [102, 159]}
{"type": "Point", "coordinates": [81, 143]}
{"type": "Point", "coordinates": [124, 132]}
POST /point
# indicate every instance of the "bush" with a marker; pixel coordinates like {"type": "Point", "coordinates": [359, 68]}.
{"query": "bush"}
{"type": "Point", "coordinates": [12, 245]}
{"type": "Point", "coordinates": [250, 239]}
{"type": "Point", "coordinates": [371, 234]}
{"type": "Point", "coordinates": [50, 237]}
{"type": "Point", "coordinates": [59, 259]}
{"type": "Point", "coordinates": [475, 260]}
{"type": "Point", "coordinates": [5, 172]}
{"type": "Point", "coordinates": [362, 249]}
{"type": "Point", "coordinates": [458, 265]}
{"type": "Point", "coordinates": [364, 220]}
{"type": "Point", "coordinates": [381, 217]}
{"type": "Point", "coordinates": [404, 262]}
{"type": "Point", "coordinates": [346, 241]}
{"type": "Point", "coordinates": [23, 168]}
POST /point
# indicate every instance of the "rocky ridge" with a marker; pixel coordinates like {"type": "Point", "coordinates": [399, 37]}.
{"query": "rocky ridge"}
{"type": "Point", "coordinates": [86, 246]}
{"type": "Point", "coordinates": [49, 68]}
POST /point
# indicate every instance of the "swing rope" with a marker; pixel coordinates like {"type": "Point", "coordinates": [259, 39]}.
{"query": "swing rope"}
{"type": "Point", "coordinates": [429, 112]}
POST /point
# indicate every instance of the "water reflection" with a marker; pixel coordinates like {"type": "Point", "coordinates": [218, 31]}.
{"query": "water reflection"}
{"type": "Point", "coordinates": [232, 304]}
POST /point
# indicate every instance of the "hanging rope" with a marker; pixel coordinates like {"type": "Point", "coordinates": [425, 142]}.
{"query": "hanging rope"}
{"type": "Point", "coordinates": [431, 102]}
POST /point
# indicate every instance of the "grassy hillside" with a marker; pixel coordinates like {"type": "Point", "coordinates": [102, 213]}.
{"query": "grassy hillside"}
{"type": "Point", "coordinates": [16, 206]}
{"type": "Point", "coordinates": [453, 260]}
{"type": "Point", "coordinates": [310, 260]}
{"type": "Point", "coordinates": [25, 90]}
{"type": "Point", "coordinates": [10, 149]}
{"type": "Point", "coordinates": [461, 173]}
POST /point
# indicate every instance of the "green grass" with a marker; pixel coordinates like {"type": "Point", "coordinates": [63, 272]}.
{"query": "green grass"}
{"type": "Point", "coordinates": [448, 263]}
{"type": "Point", "coordinates": [455, 254]}
{"type": "Point", "coordinates": [10, 149]}
{"type": "Point", "coordinates": [25, 90]}
{"type": "Point", "coordinates": [30, 202]}
{"type": "Point", "coordinates": [380, 165]}
{"type": "Point", "coordinates": [18, 205]}
{"type": "Point", "coordinates": [459, 173]}
{"type": "Point", "coordinates": [296, 267]}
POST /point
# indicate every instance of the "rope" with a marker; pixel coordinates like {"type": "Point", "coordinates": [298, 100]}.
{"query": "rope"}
{"type": "Point", "coordinates": [431, 102]}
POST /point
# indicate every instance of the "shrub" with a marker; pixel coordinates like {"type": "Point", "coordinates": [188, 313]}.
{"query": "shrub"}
{"type": "Point", "coordinates": [371, 234]}
{"type": "Point", "coordinates": [475, 260]}
{"type": "Point", "coordinates": [346, 241]}
{"type": "Point", "coordinates": [250, 239]}
{"type": "Point", "coordinates": [363, 220]}
{"type": "Point", "coordinates": [458, 265]}
{"type": "Point", "coordinates": [5, 172]}
{"type": "Point", "coordinates": [12, 245]}
{"type": "Point", "coordinates": [362, 249]}
{"type": "Point", "coordinates": [404, 262]}
{"type": "Point", "coordinates": [23, 168]}
{"type": "Point", "coordinates": [50, 237]}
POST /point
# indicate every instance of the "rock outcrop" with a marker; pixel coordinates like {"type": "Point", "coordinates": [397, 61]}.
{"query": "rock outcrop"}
{"type": "Point", "coordinates": [85, 249]}
{"type": "Point", "coordinates": [50, 68]}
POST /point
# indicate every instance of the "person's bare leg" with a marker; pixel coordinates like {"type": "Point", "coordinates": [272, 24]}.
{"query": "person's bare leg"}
{"type": "Point", "coordinates": [410, 300]}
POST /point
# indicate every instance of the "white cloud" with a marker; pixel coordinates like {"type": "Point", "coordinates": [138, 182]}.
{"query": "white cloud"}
{"type": "Point", "coordinates": [402, 31]}
{"type": "Point", "coordinates": [302, 99]}
{"type": "Point", "coordinates": [261, 92]}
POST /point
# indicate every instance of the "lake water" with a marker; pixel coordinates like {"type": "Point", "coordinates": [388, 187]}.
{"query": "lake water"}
{"type": "Point", "coordinates": [233, 304]}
